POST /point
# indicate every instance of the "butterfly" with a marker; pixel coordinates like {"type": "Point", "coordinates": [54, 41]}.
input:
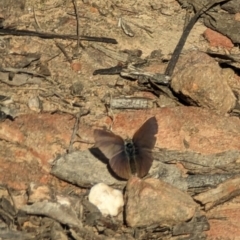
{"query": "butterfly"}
{"type": "Point", "coordinates": [131, 156]}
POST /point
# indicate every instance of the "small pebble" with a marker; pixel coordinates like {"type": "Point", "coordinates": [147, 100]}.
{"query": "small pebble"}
{"type": "Point", "coordinates": [109, 201]}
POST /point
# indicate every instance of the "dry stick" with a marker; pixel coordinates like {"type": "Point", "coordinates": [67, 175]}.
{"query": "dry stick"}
{"type": "Point", "coordinates": [61, 47]}
{"type": "Point", "coordinates": [15, 32]}
{"type": "Point", "coordinates": [62, 51]}
{"type": "Point", "coordinates": [13, 202]}
{"type": "Point", "coordinates": [76, 125]}
{"type": "Point", "coordinates": [172, 63]}
{"type": "Point", "coordinates": [35, 18]}
{"type": "Point", "coordinates": [78, 25]}
{"type": "Point", "coordinates": [23, 70]}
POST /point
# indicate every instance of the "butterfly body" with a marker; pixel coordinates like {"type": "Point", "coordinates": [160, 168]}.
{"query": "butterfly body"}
{"type": "Point", "coordinates": [131, 156]}
{"type": "Point", "coordinates": [131, 153]}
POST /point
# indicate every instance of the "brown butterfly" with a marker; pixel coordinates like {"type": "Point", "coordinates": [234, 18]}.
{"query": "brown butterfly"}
{"type": "Point", "coordinates": [131, 156]}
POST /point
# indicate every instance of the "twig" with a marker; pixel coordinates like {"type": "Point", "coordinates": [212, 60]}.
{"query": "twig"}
{"type": "Point", "coordinates": [76, 125]}
{"type": "Point", "coordinates": [14, 32]}
{"type": "Point", "coordinates": [56, 55]}
{"type": "Point", "coordinates": [22, 70]}
{"type": "Point", "coordinates": [172, 63]}
{"type": "Point", "coordinates": [61, 47]}
{"type": "Point", "coordinates": [35, 18]}
{"type": "Point", "coordinates": [10, 195]}
{"type": "Point", "coordinates": [78, 25]}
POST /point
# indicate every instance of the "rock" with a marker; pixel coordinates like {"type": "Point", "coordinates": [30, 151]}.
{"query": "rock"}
{"type": "Point", "coordinates": [224, 220]}
{"type": "Point", "coordinates": [38, 193]}
{"type": "Point", "coordinates": [19, 198]}
{"type": "Point", "coordinates": [35, 104]}
{"type": "Point", "coordinates": [13, 234]}
{"type": "Point", "coordinates": [152, 201]}
{"type": "Point", "coordinates": [198, 80]}
{"type": "Point", "coordinates": [195, 228]}
{"type": "Point", "coordinates": [108, 200]}
{"type": "Point", "coordinates": [83, 169]}
{"type": "Point", "coordinates": [222, 193]}
{"type": "Point", "coordinates": [76, 66]}
{"type": "Point", "coordinates": [58, 232]}
{"type": "Point", "coordinates": [216, 39]}
{"type": "Point", "coordinates": [231, 6]}
{"type": "Point", "coordinates": [60, 211]}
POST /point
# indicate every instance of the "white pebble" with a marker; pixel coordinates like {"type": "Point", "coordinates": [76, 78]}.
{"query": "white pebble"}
{"type": "Point", "coordinates": [109, 201]}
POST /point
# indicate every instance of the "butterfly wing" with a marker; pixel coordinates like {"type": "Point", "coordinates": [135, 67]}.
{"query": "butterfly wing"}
{"type": "Point", "coordinates": [120, 165]}
{"type": "Point", "coordinates": [144, 141]}
{"type": "Point", "coordinates": [112, 146]}
{"type": "Point", "coordinates": [143, 161]}
{"type": "Point", "coordinates": [144, 136]}
{"type": "Point", "coordinates": [109, 143]}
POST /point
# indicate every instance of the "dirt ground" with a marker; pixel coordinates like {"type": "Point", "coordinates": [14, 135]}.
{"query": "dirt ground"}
{"type": "Point", "coordinates": [45, 103]}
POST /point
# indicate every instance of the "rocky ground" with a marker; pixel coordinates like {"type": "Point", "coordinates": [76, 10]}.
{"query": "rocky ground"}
{"type": "Point", "coordinates": [51, 100]}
